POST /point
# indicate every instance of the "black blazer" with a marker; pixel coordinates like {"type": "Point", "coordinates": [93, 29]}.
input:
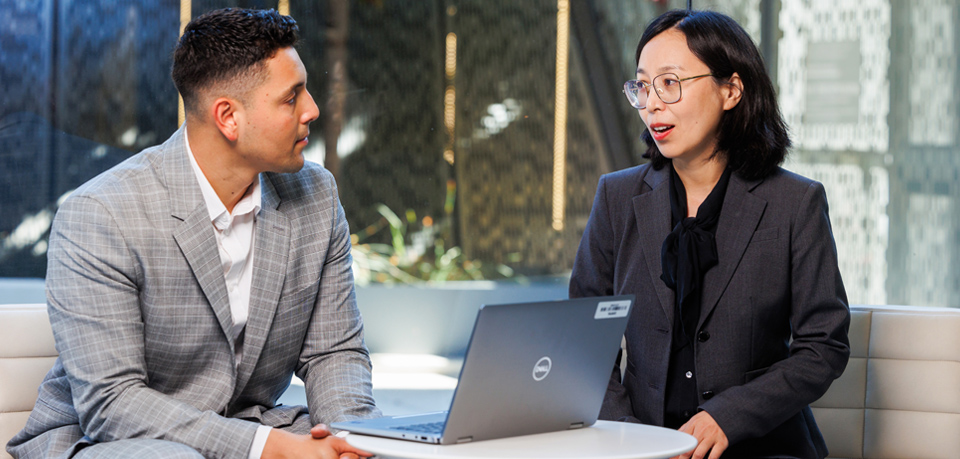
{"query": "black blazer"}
{"type": "Point", "coordinates": [772, 334]}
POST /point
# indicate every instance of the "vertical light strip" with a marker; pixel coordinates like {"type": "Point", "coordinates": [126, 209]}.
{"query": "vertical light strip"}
{"type": "Point", "coordinates": [450, 96]}
{"type": "Point", "coordinates": [283, 7]}
{"type": "Point", "coordinates": [186, 7]}
{"type": "Point", "coordinates": [560, 115]}
{"type": "Point", "coordinates": [450, 64]}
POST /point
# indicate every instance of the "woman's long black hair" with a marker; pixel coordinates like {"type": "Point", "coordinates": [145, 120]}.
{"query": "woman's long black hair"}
{"type": "Point", "coordinates": [752, 135]}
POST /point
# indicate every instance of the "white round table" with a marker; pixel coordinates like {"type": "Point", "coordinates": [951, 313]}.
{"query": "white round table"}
{"type": "Point", "coordinates": [603, 440]}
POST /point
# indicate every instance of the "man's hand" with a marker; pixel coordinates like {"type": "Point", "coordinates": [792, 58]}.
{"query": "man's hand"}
{"type": "Point", "coordinates": [319, 445]}
{"type": "Point", "coordinates": [709, 435]}
{"type": "Point", "coordinates": [320, 431]}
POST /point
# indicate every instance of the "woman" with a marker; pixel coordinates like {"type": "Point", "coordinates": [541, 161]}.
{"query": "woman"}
{"type": "Point", "coordinates": [730, 256]}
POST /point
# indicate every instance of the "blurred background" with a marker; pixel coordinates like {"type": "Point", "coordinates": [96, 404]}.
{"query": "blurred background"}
{"type": "Point", "coordinates": [467, 136]}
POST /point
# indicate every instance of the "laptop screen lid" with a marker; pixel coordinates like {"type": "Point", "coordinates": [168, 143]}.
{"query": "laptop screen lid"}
{"type": "Point", "coordinates": [537, 367]}
{"type": "Point", "coordinates": [529, 368]}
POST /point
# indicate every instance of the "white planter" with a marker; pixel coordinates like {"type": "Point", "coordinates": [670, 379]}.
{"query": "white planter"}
{"type": "Point", "coordinates": [416, 319]}
{"type": "Point", "coordinates": [398, 319]}
{"type": "Point", "coordinates": [15, 290]}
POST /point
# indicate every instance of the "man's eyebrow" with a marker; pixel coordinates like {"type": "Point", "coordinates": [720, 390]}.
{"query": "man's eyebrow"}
{"type": "Point", "coordinates": [294, 87]}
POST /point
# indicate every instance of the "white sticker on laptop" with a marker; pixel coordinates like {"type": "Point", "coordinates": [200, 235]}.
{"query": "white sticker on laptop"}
{"type": "Point", "coordinates": [612, 309]}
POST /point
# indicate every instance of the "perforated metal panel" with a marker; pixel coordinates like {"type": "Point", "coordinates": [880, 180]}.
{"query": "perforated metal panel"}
{"type": "Point", "coordinates": [858, 214]}
{"type": "Point", "coordinates": [933, 73]}
{"type": "Point", "coordinates": [813, 32]}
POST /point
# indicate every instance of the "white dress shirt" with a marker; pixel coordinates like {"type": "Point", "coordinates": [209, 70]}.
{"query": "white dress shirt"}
{"type": "Point", "coordinates": [235, 241]}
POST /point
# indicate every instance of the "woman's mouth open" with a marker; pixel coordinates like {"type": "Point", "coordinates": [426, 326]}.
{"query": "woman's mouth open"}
{"type": "Point", "coordinates": [660, 131]}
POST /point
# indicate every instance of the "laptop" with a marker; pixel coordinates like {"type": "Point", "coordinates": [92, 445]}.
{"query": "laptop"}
{"type": "Point", "coordinates": [529, 368]}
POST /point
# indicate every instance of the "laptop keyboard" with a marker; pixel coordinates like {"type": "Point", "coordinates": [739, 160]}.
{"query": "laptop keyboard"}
{"type": "Point", "coordinates": [428, 427]}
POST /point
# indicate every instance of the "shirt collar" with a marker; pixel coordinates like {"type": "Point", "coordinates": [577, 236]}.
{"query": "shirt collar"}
{"type": "Point", "coordinates": [250, 202]}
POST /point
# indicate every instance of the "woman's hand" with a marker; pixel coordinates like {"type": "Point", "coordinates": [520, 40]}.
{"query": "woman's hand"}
{"type": "Point", "coordinates": [709, 435]}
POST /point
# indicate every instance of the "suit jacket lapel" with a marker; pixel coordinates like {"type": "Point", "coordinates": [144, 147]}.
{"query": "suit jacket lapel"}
{"type": "Point", "coordinates": [652, 211]}
{"type": "Point", "coordinates": [271, 249]}
{"type": "Point", "coordinates": [738, 221]}
{"type": "Point", "coordinates": [195, 234]}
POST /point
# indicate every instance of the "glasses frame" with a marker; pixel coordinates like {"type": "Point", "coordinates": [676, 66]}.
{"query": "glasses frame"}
{"type": "Point", "coordinates": [629, 85]}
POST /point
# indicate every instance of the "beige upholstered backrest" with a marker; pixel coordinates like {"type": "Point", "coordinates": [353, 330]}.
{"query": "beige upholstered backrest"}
{"type": "Point", "coordinates": [900, 394]}
{"type": "Point", "coordinates": [27, 352]}
{"type": "Point", "coordinates": [898, 398]}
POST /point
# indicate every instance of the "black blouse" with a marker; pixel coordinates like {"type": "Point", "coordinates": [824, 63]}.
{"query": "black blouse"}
{"type": "Point", "coordinates": [688, 252]}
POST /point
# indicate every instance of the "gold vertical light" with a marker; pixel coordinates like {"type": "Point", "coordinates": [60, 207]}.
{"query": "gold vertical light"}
{"type": "Point", "coordinates": [450, 95]}
{"type": "Point", "coordinates": [186, 7]}
{"type": "Point", "coordinates": [284, 7]}
{"type": "Point", "coordinates": [560, 115]}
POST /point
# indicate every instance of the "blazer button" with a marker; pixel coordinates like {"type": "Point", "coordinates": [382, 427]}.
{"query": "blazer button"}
{"type": "Point", "coordinates": [703, 336]}
{"type": "Point", "coordinates": [708, 395]}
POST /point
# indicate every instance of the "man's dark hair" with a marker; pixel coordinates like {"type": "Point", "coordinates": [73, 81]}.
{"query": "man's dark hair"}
{"type": "Point", "coordinates": [225, 50]}
{"type": "Point", "coordinates": [752, 135]}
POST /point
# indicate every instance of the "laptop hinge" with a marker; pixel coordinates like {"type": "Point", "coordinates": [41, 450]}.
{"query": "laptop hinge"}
{"type": "Point", "coordinates": [465, 439]}
{"type": "Point", "coordinates": [576, 425]}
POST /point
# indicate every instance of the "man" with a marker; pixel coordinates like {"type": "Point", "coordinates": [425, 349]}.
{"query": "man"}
{"type": "Point", "coordinates": [187, 284]}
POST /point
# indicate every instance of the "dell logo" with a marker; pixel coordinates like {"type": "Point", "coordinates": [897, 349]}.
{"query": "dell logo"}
{"type": "Point", "coordinates": [542, 368]}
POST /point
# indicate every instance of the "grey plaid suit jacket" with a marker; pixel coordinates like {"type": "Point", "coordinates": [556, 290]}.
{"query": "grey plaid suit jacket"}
{"type": "Point", "coordinates": [141, 317]}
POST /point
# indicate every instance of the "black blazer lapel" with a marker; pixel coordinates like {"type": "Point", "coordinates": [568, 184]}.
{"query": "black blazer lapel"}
{"type": "Point", "coordinates": [738, 220]}
{"type": "Point", "coordinates": [652, 212]}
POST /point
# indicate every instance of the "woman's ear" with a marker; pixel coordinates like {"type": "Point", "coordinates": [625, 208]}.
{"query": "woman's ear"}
{"type": "Point", "coordinates": [732, 91]}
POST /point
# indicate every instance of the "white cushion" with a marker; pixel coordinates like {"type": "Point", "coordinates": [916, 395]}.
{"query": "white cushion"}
{"type": "Point", "coordinates": [914, 385]}
{"type": "Point", "coordinates": [911, 434]}
{"type": "Point", "coordinates": [19, 380]}
{"type": "Point", "coordinates": [899, 396]}
{"type": "Point", "coordinates": [849, 390]}
{"type": "Point", "coordinates": [842, 429]}
{"type": "Point", "coordinates": [922, 335]}
{"type": "Point", "coordinates": [26, 331]}
{"type": "Point", "coordinates": [859, 334]}
{"type": "Point", "coordinates": [10, 424]}
{"type": "Point", "coordinates": [27, 353]}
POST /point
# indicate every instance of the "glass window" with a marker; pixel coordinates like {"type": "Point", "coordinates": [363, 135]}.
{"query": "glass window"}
{"type": "Point", "coordinates": [468, 136]}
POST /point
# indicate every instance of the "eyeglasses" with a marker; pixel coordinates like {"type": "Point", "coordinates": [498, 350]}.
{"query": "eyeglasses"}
{"type": "Point", "coordinates": [667, 86]}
